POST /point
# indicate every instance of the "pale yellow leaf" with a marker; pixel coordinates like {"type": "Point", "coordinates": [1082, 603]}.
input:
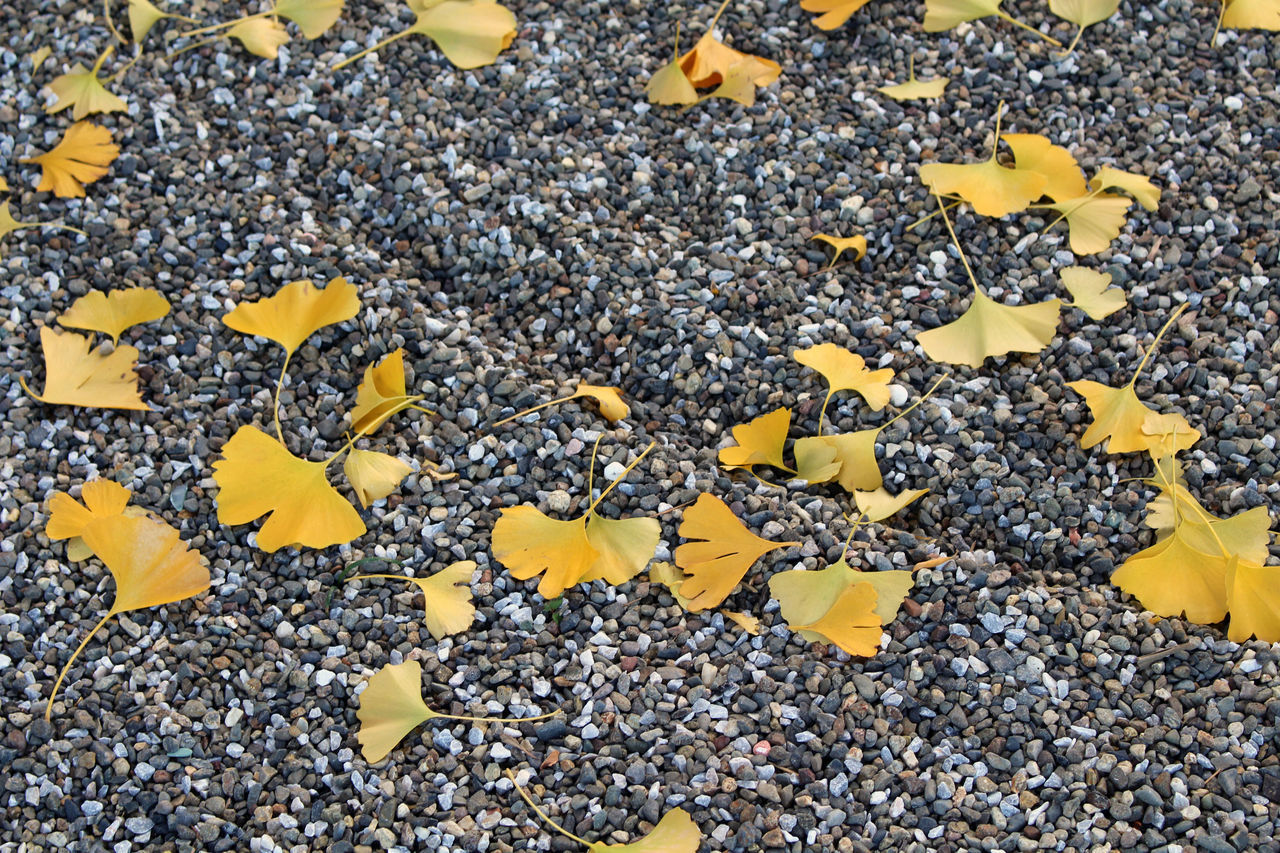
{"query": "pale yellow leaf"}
{"type": "Point", "coordinates": [760, 442]}
{"type": "Point", "coordinates": [1251, 15]}
{"type": "Point", "coordinates": [530, 543]}
{"type": "Point", "coordinates": [940, 15]}
{"type": "Point", "coordinates": [1138, 186]}
{"type": "Point", "coordinates": [990, 328]}
{"type": "Point", "coordinates": [446, 597]}
{"type": "Point", "coordinates": [1091, 292]}
{"type": "Point", "coordinates": [391, 706]}
{"type": "Point", "coordinates": [82, 89]}
{"type": "Point", "coordinates": [914, 89]}
{"type": "Point", "coordinates": [1093, 221]}
{"type": "Point", "coordinates": [624, 545]}
{"type": "Point", "coordinates": [675, 833]}
{"type": "Point", "coordinates": [850, 622]}
{"type": "Point", "coordinates": [1253, 599]}
{"type": "Point", "coordinates": [313, 17]}
{"type": "Point", "coordinates": [878, 505]}
{"type": "Point", "coordinates": [1172, 578]}
{"type": "Point", "coordinates": [470, 33]}
{"type": "Point", "coordinates": [669, 86]}
{"type": "Point", "coordinates": [260, 36]}
{"type": "Point", "coordinates": [992, 189]}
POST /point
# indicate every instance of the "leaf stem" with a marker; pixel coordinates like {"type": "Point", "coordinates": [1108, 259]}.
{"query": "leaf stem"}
{"type": "Point", "coordinates": [106, 13]}
{"type": "Point", "coordinates": [995, 143]}
{"type": "Point", "coordinates": [1222, 13]}
{"type": "Point", "coordinates": [823, 411]}
{"type": "Point", "coordinates": [591, 472]}
{"type": "Point", "coordinates": [48, 711]}
{"type": "Point", "coordinates": [530, 411]}
{"type": "Point", "coordinates": [368, 50]}
{"type": "Point", "coordinates": [275, 405]}
{"type": "Point", "coordinates": [923, 219]}
{"type": "Point", "coordinates": [1080, 202]}
{"type": "Point", "coordinates": [1071, 47]}
{"type": "Point", "coordinates": [1160, 334]}
{"type": "Point", "coordinates": [102, 57]}
{"type": "Point", "coordinates": [956, 242]}
{"type": "Point", "coordinates": [543, 815]}
{"type": "Point", "coordinates": [715, 18]}
{"type": "Point", "coordinates": [222, 25]}
{"type": "Point", "coordinates": [193, 46]}
{"type": "Point", "coordinates": [1027, 27]}
{"type": "Point", "coordinates": [621, 476]}
{"type": "Point", "coordinates": [923, 397]}
{"type": "Point", "coordinates": [436, 715]}
{"type": "Point", "coordinates": [126, 66]}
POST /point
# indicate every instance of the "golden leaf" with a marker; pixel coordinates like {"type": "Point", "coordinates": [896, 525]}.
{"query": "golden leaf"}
{"type": "Point", "coordinates": [82, 157]}
{"type": "Point", "coordinates": [82, 89]}
{"type": "Point", "coordinates": [1172, 577]}
{"type": "Point", "coordinates": [675, 833]}
{"type": "Point", "coordinates": [760, 442]}
{"type": "Point", "coordinates": [1246, 535]}
{"type": "Point", "coordinates": [1250, 14]}
{"type": "Point", "coordinates": [721, 558]}
{"type": "Point", "coordinates": [835, 12]}
{"type": "Point", "coordinates": [1253, 598]}
{"type": "Point", "coordinates": [1118, 416]}
{"type": "Point", "coordinates": [446, 597]}
{"type": "Point", "coordinates": [111, 313]}
{"type": "Point", "coordinates": [672, 577]}
{"type": "Point", "coordinates": [990, 328]}
{"type": "Point", "coordinates": [374, 475]}
{"type": "Point", "coordinates": [1091, 293]}
{"type": "Point", "coordinates": [607, 398]}
{"type": "Point", "coordinates": [295, 312]}
{"type": "Point", "coordinates": [391, 706]}
{"type": "Point", "coordinates": [1138, 186]}
{"type": "Point", "coordinates": [805, 597]}
{"type": "Point", "coordinates": [258, 476]}
{"type": "Point", "coordinates": [941, 15]}
{"type": "Point", "coordinates": [856, 453]}
{"type": "Point", "coordinates": [850, 622]}
{"type": "Point", "coordinates": [916, 89]}
{"type": "Point", "coordinates": [847, 371]}
{"type": "Point", "coordinates": [856, 244]}
{"type": "Point", "coordinates": [878, 505]}
{"type": "Point", "coordinates": [624, 545]}
{"type": "Point", "coordinates": [260, 36]}
{"type": "Point", "coordinates": [381, 394]}
{"type": "Point", "coordinates": [1064, 178]}
{"type": "Point", "coordinates": [1093, 221]}
{"type": "Point", "coordinates": [313, 17]}
{"type": "Point", "coordinates": [992, 189]}
{"type": "Point", "coordinates": [711, 60]}
{"type": "Point", "coordinates": [75, 376]}
{"type": "Point", "coordinates": [68, 518]}
{"type": "Point", "coordinates": [745, 621]}
{"type": "Point", "coordinates": [143, 15]}
{"type": "Point", "coordinates": [669, 86]}
{"type": "Point", "coordinates": [470, 33]}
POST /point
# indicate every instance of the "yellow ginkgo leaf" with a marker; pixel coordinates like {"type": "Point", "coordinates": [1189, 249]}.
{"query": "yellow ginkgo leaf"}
{"type": "Point", "coordinates": [722, 554]}
{"type": "Point", "coordinates": [470, 33]}
{"type": "Point", "coordinates": [1064, 177]}
{"type": "Point", "coordinates": [738, 85]}
{"type": "Point", "coordinates": [381, 394]}
{"type": "Point", "coordinates": [37, 58]}
{"type": "Point", "coordinates": [850, 622]}
{"type": "Point", "coordinates": [1246, 535]}
{"type": "Point", "coordinates": [82, 157]}
{"type": "Point", "coordinates": [1093, 220]}
{"type": "Point", "coordinates": [8, 224]}
{"type": "Point", "coordinates": [391, 706]}
{"type": "Point", "coordinates": [624, 545]}
{"type": "Point", "coordinates": [990, 328]}
{"type": "Point", "coordinates": [942, 15]}
{"type": "Point", "coordinates": [1168, 434]}
{"type": "Point", "coordinates": [607, 398]}
{"type": "Point", "coordinates": [1253, 599]}
{"type": "Point", "coordinates": [745, 621]}
{"type": "Point", "coordinates": [992, 189]}
{"type": "Point", "coordinates": [258, 476]}
{"type": "Point", "coordinates": [835, 13]}
{"type": "Point", "coordinates": [805, 597]}
{"type": "Point", "coordinates": [111, 313]}
{"type": "Point", "coordinates": [879, 504]}
{"type": "Point", "coordinates": [260, 36]}
{"type": "Point", "coordinates": [68, 517]}
{"type": "Point", "coordinates": [711, 60]}
{"type": "Point", "coordinates": [1172, 577]}
{"type": "Point", "coordinates": [313, 17]}
{"type": "Point", "coordinates": [1091, 292]}
{"type": "Point", "coordinates": [82, 89]}
{"type": "Point", "coordinates": [143, 15]}
{"type": "Point", "coordinates": [816, 459]}
{"type": "Point", "coordinates": [670, 576]}
{"type": "Point", "coordinates": [1140, 187]}
{"type": "Point", "coordinates": [857, 244]}
{"type": "Point", "coordinates": [915, 89]}
{"type": "Point", "coordinates": [530, 543]}
{"type": "Point", "coordinates": [760, 442]}
{"type": "Point", "coordinates": [669, 85]}
{"type": "Point", "coordinates": [856, 453]}
{"type": "Point", "coordinates": [295, 312]}
{"type": "Point", "coordinates": [1250, 15]}
{"type": "Point", "coordinates": [374, 475]}
{"type": "Point", "coordinates": [446, 597]}
{"type": "Point", "coordinates": [1083, 13]}
{"type": "Point", "coordinates": [1118, 416]}
{"type": "Point", "coordinates": [76, 376]}
{"type": "Point", "coordinates": [847, 371]}
{"type": "Point", "coordinates": [150, 564]}
{"type": "Point", "coordinates": [675, 833]}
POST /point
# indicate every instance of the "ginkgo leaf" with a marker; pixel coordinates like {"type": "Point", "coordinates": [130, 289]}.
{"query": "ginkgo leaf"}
{"type": "Point", "coordinates": [381, 394]}
{"type": "Point", "coordinates": [915, 89]}
{"type": "Point", "coordinates": [313, 17]}
{"type": "Point", "coordinates": [669, 86]}
{"type": "Point", "coordinates": [1253, 599]}
{"type": "Point", "coordinates": [856, 453]}
{"type": "Point", "coordinates": [805, 597]}
{"type": "Point", "coordinates": [295, 312]}
{"type": "Point", "coordinates": [990, 328]}
{"type": "Point", "coordinates": [530, 543]}
{"type": "Point", "coordinates": [391, 706]}
{"type": "Point", "coordinates": [1091, 292]}
{"type": "Point", "coordinates": [711, 60]}
{"type": "Point", "coordinates": [446, 597]}
{"type": "Point", "coordinates": [1250, 14]}
{"type": "Point", "coordinates": [1083, 13]}
{"type": "Point", "coordinates": [1093, 220]}
{"type": "Point", "coordinates": [1064, 177]}
{"type": "Point", "coordinates": [672, 577]}
{"type": "Point", "coordinates": [470, 33]}
{"type": "Point", "coordinates": [992, 189]}
{"type": "Point", "coordinates": [607, 398]}
{"type": "Point", "coordinates": [82, 157]}
{"type": "Point", "coordinates": [816, 459]}
{"type": "Point", "coordinates": [151, 566]}
{"type": "Point", "coordinates": [1118, 416]}
{"type": "Point", "coordinates": [258, 476]}
{"type": "Point", "coordinates": [719, 560]}
{"type": "Point", "coordinates": [835, 13]}
{"type": "Point", "coordinates": [8, 224]}
{"type": "Point", "coordinates": [111, 313]}
{"type": "Point", "coordinates": [1172, 577]}
{"type": "Point", "coordinates": [760, 442]}
{"type": "Point", "coordinates": [260, 36]}
{"type": "Point", "coordinates": [1168, 434]}
{"type": "Point", "coordinates": [625, 546]}
{"type": "Point", "coordinates": [374, 475]}
{"type": "Point", "coordinates": [1246, 535]}
{"type": "Point", "coordinates": [143, 15]}
{"type": "Point", "coordinates": [1140, 187]}
{"type": "Point", "coordinates": [738, 85]}
{"type": "Point", "coordinates": [745, 621]}
{"type": "Point", "coordinates": [857, 244]}
{"type": "Point", "coordinates": [942, 15]}
{"type": "Point", "coordinates": [37, 58]}
{"type": "Point", "coordinates": [847, 371]}
{"type": "Point", "coordinates": [879, 504]}
{"type": "Point", "coordinates": [68, 517]}
{"type": "Point", "coordinates": [76, 376]}
{"type": "Point", "coordinates": [82, 89]}
{"type": "Point", "coordinates": [675, 833]}
{"type": "Point", "coordinates": [850, 623]}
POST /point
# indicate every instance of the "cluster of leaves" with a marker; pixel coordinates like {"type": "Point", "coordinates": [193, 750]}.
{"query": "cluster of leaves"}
{"type": "Point", "coordinates": [1201, 565]}
{"type": "Point", "coordinates": [711, 64]}
{"type": "Point", "coordinates": [77, 374]}
{"type": "Point", "coordinates": [1042, 176]}
{"type": "Point", "coordinates": [146, 557]}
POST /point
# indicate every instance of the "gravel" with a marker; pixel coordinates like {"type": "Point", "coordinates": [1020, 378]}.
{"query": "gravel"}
{"type": "Point", "coordinates": [521, 227]}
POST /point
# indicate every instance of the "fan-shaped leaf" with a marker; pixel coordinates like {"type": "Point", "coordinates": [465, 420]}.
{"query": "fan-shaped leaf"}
{"type": "Point", "coordinates": [717, 562]}
{"type": "Point", "coordinates": [76, 376]}
{"type": "Point", "coordinates": [111, 313]}
{"type": "Point", "coordinates": [296, 312]}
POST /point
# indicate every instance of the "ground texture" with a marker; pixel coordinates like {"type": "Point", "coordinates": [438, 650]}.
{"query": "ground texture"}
{"type": "Point", "coordinates": [530, 224]}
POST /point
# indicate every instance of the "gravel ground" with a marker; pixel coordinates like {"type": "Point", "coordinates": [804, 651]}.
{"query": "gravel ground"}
{"type": "Point", "coordinates": [523, 226]}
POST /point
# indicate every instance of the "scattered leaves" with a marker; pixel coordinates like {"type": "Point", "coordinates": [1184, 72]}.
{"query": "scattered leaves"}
{"type": "Point", "coordinates": [82, 157]}
{"type": "Point", "coordinates": [721, 554]}
{"type": "Point", "coordinates": [75, 375]}
{"type": "Point", "coordinates": [111, 313]}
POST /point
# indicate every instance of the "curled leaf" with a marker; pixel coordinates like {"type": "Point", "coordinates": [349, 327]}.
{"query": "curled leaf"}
{"type": "Point", "coordinates": [745, 621]}
{"type": "Point", "coordinates": [296, 312]}
{"type": "Point", "coordinates": [77, 376]}
{"type": "Point", "coordinates": [381, 394]}
{"type": "Point", "coordinates": [710, 61]}
{"type": "Point", "coordinates": [111, 313]}
{"type": "Point", "coordinates": [856, 244]}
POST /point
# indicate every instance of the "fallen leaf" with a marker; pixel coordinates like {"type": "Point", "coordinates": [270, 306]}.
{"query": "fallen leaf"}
{"type": "Point", "coordinates": [111, 313]}
{"type": "Point", "coordinates": [711, 60]}
{"type": "Point", "coordinates": [847, 371]}
{"type": "Point", "coordinates": [68, 517]}
{"type": "Point", "coordinates": [856, 453]}
{"type": "Point", "coordinates": [1063, 175]}
{"type": "Point", "coordinates": [989, 328]}
{"type": "Point", "coordinates": [1118, 417]}
{"type": "Point", "coordinates": [1250, 14]}
{"type": "Point", "coordinates": [260, 36]}
{"type": "Point", "coordinates": [1140, 187]}
{"type": "Point", "coordinates": [82, 157]}
{"type": "Point", "coordinates": [806, 596]}
{"type": "Point", "coordinates": [1246, 535]}
{"type": "Point", "coordinates": [258, 476]}
{"type": "Point", "coordinates": [624, 547]}
{"type": "Point", "coordinates": [1168, 434]}
{"type": "Point", "coordinates": [381, 394]}
{"type": "Point", "coordinates": [1083, 13]}
{"type": "Point", "coordinates": [1093, 220]}
{"type": "Point", "coordinates": [607, 398]}
{"type": "Point", "coordinates": [670, 576]}
{"type": "Point", "coordinates": [878, 505]}
{"type": "Point", "coordinates": [915, 89]}
{"type": "Point", "coordinates": [738, 85]}
{"type": "Point", "coordinates": [816, 459]}
{"type": "Point", "coordinates": [296, 312]}
{"type": "Point", "coordinates": [992, 189]}
{"type": "Point", "coordinates": [82, 89]}
{"type": "Point", "coordinates": [313, 17]}
{"type": "Point", "coordinates": [745, 621]}
{"type": "Point", "coordinates": [942, 15]}
{"type": "Point", "coordinates": [1172, 578]}
{"type": "Point", "coordinates": [470, 33]}
{"type": "Point", "coordinates": [835, 13]}
{"type": "Point", "coordinates": [150, 564]}
{"type": "Point", "coordinates": [374, 475]}
{"type": "Point", "coordinates": [38, 57]}
{"type": "Point", "coordinates": [1091, 292]}
{"type": "Point", "coordinates": [143, 15]}
{"type": "Point", "coordinates": [8, 224]}
{"type": "Point", "coordinates": [669, 85]}
{"type": "Point", "coordinates": [719, 560]}
{"type": "Point", "coordinates": [760, 442]}
{"type": "Point", "coordinates": [1253, 599]}
{"type": "Point", "coordinates": [446, 597]}
{"type": "Point", "coordinates": [850, 623]}
{"type": "Point", "coordinates": [76, 376]}
{"type": "Point", "coordinates": [856, 244]}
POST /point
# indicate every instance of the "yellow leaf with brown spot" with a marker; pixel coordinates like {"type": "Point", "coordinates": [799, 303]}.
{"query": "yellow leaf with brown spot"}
{"type": "Point", "coordinates": [77, 376]}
